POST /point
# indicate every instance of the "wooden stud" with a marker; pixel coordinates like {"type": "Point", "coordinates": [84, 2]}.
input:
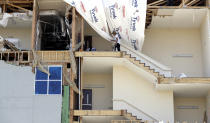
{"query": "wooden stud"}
{"type": "Point", "coordinates": [71, 97]}
{"type": "Point", "coordinates": [34, 21]}
{"type": "Point", "coordinates": [81, 81]}
{"type": "Point", "coordinates": [73, 27]}
{"type": "Point", "coordinates": [4, 6]}
{"type": "Point", "coordinates": [80, 119]}
{"type": "Point", "coordinates": [82, 33]}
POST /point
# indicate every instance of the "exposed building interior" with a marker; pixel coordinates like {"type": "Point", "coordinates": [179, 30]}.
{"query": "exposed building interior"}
{"type": "Point", "coordinates": [57, 68]}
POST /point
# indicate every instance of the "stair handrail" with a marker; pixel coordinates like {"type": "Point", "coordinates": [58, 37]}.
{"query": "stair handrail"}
{"type": "Point", "coordinates": [148, 59]}
{"type": "Point", "coordinates": [122, 100]}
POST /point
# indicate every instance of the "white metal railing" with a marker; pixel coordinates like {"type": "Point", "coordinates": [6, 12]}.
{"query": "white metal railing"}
{"type": "Point", "coordinates": [158, 67]}
{"type": "Point", "coordinates": [121, 104]}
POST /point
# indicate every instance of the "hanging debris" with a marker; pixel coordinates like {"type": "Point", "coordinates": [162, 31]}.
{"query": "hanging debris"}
{"type": "Point", "coordinates": [37, 63]}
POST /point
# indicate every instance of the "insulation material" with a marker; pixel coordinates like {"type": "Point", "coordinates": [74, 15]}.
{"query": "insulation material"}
{"type": "Point", "coordinates": [104, 16]}
{"type": "Point", "coordinates": [21, 16]}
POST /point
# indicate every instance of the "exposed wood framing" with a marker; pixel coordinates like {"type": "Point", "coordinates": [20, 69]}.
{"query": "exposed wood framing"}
{"type": "Point", "coordinates": [82, 33]}
{"type": "Point", "coordinates": [72, 74]}
{"type": "Point", "coordinates": [26, 10]}
{"type": "Point", "coordinates": [16, 5]}
{"type": "Point", "coordinates": [98, 112]}
{"type": "Point", "coordinates": [71, 99]}
{"type": "Point", "coordinates": [98, 54]}
{"type": "Point", "coordinates": [81, 81]}
{"type": "Point", "coordinates": [176, 4]}
{"type": "Point", "coordinates": [34, 24]}
{"type": "Point", "coordinates": [158, 2]}
{"type": "Point", "coordinates": [188, 80]}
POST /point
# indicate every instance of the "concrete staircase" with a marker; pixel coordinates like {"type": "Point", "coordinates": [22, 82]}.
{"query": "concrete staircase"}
{"type": "Point", "coordinates": [141, 65]}
{"type": "Point", "coordinates": [150, 65]}
{"type": "Point", "coordinates": [131, 117]}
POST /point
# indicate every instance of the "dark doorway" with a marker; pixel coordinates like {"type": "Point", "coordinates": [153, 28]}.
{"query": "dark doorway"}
{"type": "Point", "coordinates": [88, 43]}
{"type": "Point", "coordinates": [87, 99]}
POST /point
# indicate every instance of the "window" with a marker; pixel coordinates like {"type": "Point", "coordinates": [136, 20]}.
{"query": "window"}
{"type": "Point", "coordinates": [52, 84]}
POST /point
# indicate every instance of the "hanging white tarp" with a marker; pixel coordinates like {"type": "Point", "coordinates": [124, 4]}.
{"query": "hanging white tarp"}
{"type": "Point", "coordinates": [127, 17]}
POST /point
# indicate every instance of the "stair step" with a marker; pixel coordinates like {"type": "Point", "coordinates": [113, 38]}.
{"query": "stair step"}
{"type": "Point", "coordinates": [142, 65]}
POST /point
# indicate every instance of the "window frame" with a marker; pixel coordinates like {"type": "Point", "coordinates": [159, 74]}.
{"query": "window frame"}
{"type": "Point", "coordinates": [48, 80]}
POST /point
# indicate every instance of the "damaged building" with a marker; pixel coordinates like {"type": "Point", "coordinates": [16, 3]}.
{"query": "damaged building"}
{"type": "Point", "coordinates": [58, 62]}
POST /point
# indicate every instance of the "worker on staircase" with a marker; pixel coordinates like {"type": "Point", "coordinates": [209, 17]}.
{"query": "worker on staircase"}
{"type": "Point", "coordinates": [116, 40]}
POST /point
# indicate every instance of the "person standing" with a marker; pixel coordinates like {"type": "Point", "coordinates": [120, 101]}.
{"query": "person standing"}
{"type": "Point", "coordinates": [116, 40]}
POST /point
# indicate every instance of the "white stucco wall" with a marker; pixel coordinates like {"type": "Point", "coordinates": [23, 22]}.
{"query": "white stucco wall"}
{"type": "Point", "coordinates": [129, 86]}
{"type": "Point", "coordinates": [163, 43]}
{"type": "Point", "coordinates": [101, 85]}
{"type": "Point", "coordinates": [97, 41]}
{"type": "Point", "coordinates": [205, 37]}
{"type": "Point", "coordinates": [18, 102]}
{"type": "Point", "coordinates": [23, 34]}
{"type": "Point", "coordinates": [189, 115]}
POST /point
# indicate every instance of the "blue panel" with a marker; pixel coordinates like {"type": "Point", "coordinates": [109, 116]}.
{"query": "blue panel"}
{"type": "Point", "coordinates": [55, 87]}
{"type": "Point", "coordinates": [41, 87]}
{"type": "Point", "coordinates": [55, 73]}
{"type": "Point", "coordinates": [41, 75]}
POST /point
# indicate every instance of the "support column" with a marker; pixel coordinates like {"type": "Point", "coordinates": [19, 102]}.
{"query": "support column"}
{"type": "Point", "coordinates": [82, 33]}
{"type": "Point", "coordinates": [208, 107]}
{"type": "Point", "coordinates": [71, 115]}
{"type": "Point", "coordinates": [34, 21]}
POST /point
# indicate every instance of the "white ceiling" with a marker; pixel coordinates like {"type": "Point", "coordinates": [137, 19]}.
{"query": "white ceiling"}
{"type": "Point", "coordinates": [104, 65]}
{"type": "Point", "coordinates": [186, 90]}
{"type": "Point", "coordinates": [58, 5]}
{"type": "Point", "coordinates": [178, 18]}
{"type": "Point", "coordinates": [99, 64]}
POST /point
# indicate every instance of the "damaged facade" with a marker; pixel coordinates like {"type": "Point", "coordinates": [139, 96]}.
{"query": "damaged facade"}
{"type": "Point", "coordinates": [56, 66]}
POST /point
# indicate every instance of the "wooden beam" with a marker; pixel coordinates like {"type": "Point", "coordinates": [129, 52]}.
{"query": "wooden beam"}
{"type": "Point", "coordinates": [98, 113]}
{"type": "Point", "coordinates": [4, 7]}
{"type": "Point", "coordinates": [17, 2]}
{"type": "Point", "coordinates": [34, 23]}
{"type": "Point", "coordinates": [71, 99]}
{"type": "Point", "coordinates": [98, 54]}
{"type": "Point", "coordinates": [176, 7]}
{"type": "Point", "coordinates": [192, 2]}
{"type": "Point", "coordinates": [156, 2]}
{"type": "Point", "coordinates": [73, 27]}
{"type": "Point", "coordinates": [188, 80]}
{"type": "Point", "coordinates": [18, 7]}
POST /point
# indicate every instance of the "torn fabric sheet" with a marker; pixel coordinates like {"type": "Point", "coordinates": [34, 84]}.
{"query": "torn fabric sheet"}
{"type": "Point", "coordinates": [104, 16]}
{"type": "Point", "coordinates": [21, 16]}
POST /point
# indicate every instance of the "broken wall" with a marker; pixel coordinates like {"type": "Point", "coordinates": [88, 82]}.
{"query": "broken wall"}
{"type": "Point", "coordinates": [18, 101]}
{"type": "Point", "coordinates": [23, 34]}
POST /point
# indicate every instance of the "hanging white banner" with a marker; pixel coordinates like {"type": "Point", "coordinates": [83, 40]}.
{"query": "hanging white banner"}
{"type": "Point", "coordinates": [126, 17]}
